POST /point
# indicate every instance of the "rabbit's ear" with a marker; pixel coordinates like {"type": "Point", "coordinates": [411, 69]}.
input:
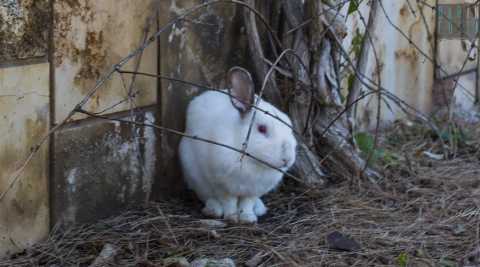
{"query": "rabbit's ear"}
{"type": "Point", "coordinates": [240, 87]}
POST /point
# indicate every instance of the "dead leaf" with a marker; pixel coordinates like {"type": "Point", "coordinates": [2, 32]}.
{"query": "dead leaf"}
{"type": "Point", "coordinates": [337, 240]}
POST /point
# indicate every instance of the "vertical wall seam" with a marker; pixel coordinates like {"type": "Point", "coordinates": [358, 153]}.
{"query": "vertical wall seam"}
{"type": "Point", "coordinates": [51, 139]}
{"type": "Point", "coordinates": [435, 40]}
{"type": "Point", "coordinates": [159, 161]}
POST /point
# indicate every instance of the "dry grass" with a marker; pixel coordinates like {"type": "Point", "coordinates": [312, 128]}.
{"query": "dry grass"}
{"type": "Point", "coordinates": [425, 212]}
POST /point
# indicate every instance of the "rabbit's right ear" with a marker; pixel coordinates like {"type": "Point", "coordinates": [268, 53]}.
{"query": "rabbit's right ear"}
{"type": "Point", "coordinates": [241, 89]}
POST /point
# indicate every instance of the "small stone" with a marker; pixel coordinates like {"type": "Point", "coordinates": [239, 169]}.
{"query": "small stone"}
{"type": "Point", "coordinates": [227, 262]}
{"type": "Point", "coordinates": [213, 223]}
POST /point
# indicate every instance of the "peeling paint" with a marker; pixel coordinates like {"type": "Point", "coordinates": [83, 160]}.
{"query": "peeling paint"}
{"type": "Point", "coordinates": [90, 37]}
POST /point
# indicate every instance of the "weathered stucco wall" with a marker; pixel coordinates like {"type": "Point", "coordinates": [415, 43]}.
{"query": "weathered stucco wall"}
{"type": "Point", "coordinates": [404, 71]}
{"type": "Point", "coordinates": [465, 95]}
{"type": "Point", "coordinates": [201, 50]}
{"type": "Point", "coordinates": [24, 29]}
{"type": "Point", "coordinates": [89, 38]}
{"type": "Point", "coordinates": [455, 55]}
{"type": "Point", "coordinates": [102, 167]}
{"type": "Point", "coordinates": [24, 119]}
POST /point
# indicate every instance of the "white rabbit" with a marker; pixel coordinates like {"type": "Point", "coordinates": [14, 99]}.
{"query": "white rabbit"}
{"type": "Point", "coordinates": [230, 184]}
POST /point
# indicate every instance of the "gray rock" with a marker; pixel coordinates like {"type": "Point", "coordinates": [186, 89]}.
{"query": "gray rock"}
{"type": "Point", "coordinates": [227, 262]}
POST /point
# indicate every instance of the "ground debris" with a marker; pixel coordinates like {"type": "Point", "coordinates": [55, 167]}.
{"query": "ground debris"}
{"type": "Point", "coordinates": [472, 258]}
{"type": "Point", "coordinates": [337, 240]}
{"type": "Point", "coordinates": [423, 213]}
{"type": "Point", "coordinates": [212, 223]}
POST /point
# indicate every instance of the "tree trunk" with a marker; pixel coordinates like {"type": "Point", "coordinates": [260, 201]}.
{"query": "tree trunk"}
{"type": "Point", "coordinates": [362, 59]}
{"type": "Point", "coordinates": [315, 103]}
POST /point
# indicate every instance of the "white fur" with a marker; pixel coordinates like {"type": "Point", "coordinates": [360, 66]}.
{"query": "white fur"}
{"type": "Point", "coordinates": [231, 185]}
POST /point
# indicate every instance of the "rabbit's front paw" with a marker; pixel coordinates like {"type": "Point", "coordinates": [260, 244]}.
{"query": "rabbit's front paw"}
{"type": "Point", "coordinates": [259, 208]}
{"type": "Point", "coordinates": [229, 204]}
{"type": "Point", "coordinates": [213, 208]}
{"type": "Point", "coordinates": [247, 217]}
{"type": "Point", "coordinates": [246, 209]}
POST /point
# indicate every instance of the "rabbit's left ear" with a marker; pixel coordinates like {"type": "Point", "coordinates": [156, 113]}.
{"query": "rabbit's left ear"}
{"type": "Point", "coordinates": [241, 89]}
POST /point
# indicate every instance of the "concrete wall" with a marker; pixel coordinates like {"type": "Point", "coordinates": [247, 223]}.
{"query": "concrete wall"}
{"type": "Point", "coordinates": [24, 109]}
{"type": "Point", "coordinates": [91, 36]}
{"type": "Point", "coordinates": [98, 167]}
{"type": "Point", "coordinates": [199, 50]}
{"type": "Point", "coordinates": [24, 119]}
{"type": "Point", "coordinates": [101, 167]}
{"type": "Point", "coordinates": [404, 70]}
{"type": "Point", "coordinates": [408, 71]}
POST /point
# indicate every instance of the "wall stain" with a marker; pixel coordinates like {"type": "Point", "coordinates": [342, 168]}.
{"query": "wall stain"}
{"type": "Point", "coordinates": [404, 10]}
{"type": "Point", "coordinates": [89, 38]}
{"type": "Point", "coordinates": [94, 58]}
{"type": "Point", "coordinates": [24, 211]}
{"type": "Point", "coordinates": [409, 54]}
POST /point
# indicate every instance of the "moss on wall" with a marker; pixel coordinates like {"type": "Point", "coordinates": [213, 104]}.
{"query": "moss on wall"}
{"type": "Point", "coordinates": [24, 27]}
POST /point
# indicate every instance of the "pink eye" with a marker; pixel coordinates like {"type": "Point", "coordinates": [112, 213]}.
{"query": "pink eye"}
{"type": "Point", "coordinates": [262, 128]}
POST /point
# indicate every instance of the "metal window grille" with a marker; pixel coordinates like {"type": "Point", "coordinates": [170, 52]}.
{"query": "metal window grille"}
{"type": "Point", "coordinates": [457, 20]}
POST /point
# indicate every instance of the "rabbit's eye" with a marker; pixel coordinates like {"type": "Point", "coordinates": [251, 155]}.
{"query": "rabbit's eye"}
{"type": "Point", "coordinates": [262, 128]}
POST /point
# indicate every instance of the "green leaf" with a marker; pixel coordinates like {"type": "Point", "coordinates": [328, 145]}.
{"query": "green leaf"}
{"type": "Point", "coordinates": [350, 81]}
{"type": "Point", "coordinates": [402, 259]}
{"type": "Point", "coordinates": [357, 42]}
{"type": "Point", "coordinates": [353, 7]}
{"type": "Point", "coordinates": [365, 142]}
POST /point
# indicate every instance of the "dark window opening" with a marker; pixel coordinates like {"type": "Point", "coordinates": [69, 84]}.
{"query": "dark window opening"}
{"type": "Point", "coordinates": [458, 20]}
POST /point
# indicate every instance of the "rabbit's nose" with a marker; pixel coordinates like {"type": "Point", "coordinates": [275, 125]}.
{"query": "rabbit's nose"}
{"type": "Point", "coordinates": [285, 162]}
